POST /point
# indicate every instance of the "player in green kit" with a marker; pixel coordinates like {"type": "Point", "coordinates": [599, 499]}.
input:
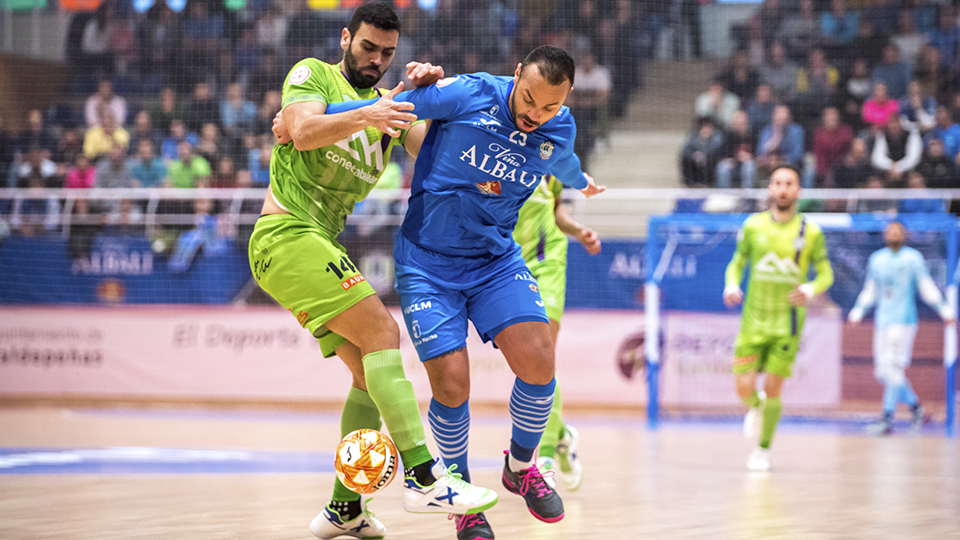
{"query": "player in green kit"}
{"type": "Point", "coordinates": [321, 167]}
{"type": "Point", "coordinates": [541, 231]}
{"type": "Point", "coordinates": [779, 246]}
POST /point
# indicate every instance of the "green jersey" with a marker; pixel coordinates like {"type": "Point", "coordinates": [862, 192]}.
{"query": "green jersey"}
{"type": "Point", "coordinates": [779, 256]}
{"type": "Point", "coordinates": [536, 231]}
{"type": "Point", "coordinates": [321, 186]}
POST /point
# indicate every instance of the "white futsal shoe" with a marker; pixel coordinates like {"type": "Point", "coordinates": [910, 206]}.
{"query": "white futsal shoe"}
{"type": "Point", "coordinates": [759, 460]}
{"type": "Point", "coordinates": [571, 470]}
{"type": "Point", "coordinates": [548, 469]}
{"type": "Point", "coordinates": [450, 494]}
{"type": "Point", "coordinates": [328, 524]}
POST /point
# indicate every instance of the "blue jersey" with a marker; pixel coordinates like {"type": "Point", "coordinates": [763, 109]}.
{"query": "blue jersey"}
{"type": "Point", "coordinates": [897, 276]}
{"type": "Point", "coordinates": [476, 168]}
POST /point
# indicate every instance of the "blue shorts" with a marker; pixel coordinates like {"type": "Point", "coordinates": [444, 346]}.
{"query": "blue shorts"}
{"type": "Point", "coordinates": [438, 293]}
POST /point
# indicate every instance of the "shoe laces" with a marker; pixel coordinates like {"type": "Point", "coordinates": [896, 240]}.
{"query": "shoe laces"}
{"type": "Point", "coordinates": [366, 510]}
{"type": "Point", "coordinates": [455, 479]}
{"type": "Point", "coordinates": [531, 478]}
{"type": "Point", "coordinates": [467, 520]}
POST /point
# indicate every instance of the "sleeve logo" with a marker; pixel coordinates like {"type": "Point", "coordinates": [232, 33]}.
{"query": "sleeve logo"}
{"type": "Point", "coordinates": [299, 75]}
{"type": "Point", "coordinates": [448, 80]}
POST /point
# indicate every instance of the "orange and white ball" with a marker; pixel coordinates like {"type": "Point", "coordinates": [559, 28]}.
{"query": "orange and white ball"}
{"type": "Point", "coordinates": [367, 461]}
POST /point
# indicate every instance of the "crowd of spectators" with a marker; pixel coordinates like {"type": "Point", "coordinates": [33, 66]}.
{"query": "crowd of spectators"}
{"type": "Point", "coordinates": [866, 97]}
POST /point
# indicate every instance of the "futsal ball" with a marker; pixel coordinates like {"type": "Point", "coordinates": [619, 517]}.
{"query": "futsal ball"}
{"type": "Point", "coordinates": [366, 461]}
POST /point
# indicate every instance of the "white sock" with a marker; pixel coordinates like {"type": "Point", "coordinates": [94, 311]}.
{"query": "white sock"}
{"type": "Point", "coordinates": [516, 465]}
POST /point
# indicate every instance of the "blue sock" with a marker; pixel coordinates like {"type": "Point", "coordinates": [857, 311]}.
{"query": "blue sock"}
{"type": "Point", "coordinates": [451, 430]}
{"type": "Point", "coordinates": [907, 395]}
{"type": "Point", "coordinates": [890, 395]}
{"type": "Point", "coordinates": [530, 406]}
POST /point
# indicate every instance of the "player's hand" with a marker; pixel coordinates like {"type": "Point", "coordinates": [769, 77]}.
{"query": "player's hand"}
{"type": "Point", "coordinates": [390, 116]}
{"type": "Point", "coordinates": [732, 296]}
{"type": "Point", "coordinates": [280, 130]}
{"type": "Point", "coordinates": [797, 298]}
{"type": "Point", "coordinates": [590, 240]}
{"type": "Point", "coordinates": [592, 187]}
{"type": "Point", "coordinates": [423, 74]}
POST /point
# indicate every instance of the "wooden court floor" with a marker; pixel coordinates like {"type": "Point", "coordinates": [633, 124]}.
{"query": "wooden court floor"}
{"type": "Point", "coordinates": [683, 481]}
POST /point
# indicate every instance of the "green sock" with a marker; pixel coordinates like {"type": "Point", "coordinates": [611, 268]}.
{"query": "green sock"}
{"type": "Point", "coordinates": [359, 411]}
{"type": "Point", "coordinates": [554, 430]}
{"type": "Point", "coordinates": [393, 394]}
{"type": "Point", "coordinates": [752, 401]}
{"type": "Point", "coordinates": [771, 416]}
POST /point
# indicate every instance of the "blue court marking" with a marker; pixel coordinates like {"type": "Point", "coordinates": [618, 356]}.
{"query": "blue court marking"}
{"type": "Point", "coordinates": [141, 460]}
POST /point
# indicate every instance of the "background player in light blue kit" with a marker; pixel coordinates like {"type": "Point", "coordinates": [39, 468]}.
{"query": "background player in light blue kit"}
{"type": "Point", "coordinates": [491, 141]}
{"type": "Point", "coordinates": [894, 275]}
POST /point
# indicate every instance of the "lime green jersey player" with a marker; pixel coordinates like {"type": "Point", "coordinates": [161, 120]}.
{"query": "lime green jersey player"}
{"type": "Point", "coordinates": [541, 231]}
{"type": "Point", "coordinates": [321, 167]}
{"type": "Point", "coordinates": [779, 246]}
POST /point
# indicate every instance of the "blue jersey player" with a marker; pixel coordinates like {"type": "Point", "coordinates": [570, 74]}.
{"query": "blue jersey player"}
{"type": "Point", "coordinates": [894, 276]}
{"type": "Point", "coordinates": [491, 141]}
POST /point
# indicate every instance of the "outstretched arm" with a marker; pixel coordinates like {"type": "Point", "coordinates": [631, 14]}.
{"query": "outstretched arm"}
{"type": "Point", "coordinates": [585, 235]}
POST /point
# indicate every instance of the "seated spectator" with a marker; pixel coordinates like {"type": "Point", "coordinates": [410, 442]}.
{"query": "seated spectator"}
{"type": "Point", "coordinates": [868, 44]}
{"type": "Point", "coordinates": [816, 85]}
{"type": "Point", "coordinates": [718, 104]}
{"type": "Point", "coordinates": [85, 225]}
{"type": "Point", "coordinates": [896, 75]}
{"type": "Point", "coordinates": [269, 107]}
{"type": "Point", "coordinates": [831, 141]}
{"type": "Point", "coordinates": [36, 135]}
{"type": "Point", "coordinates": [146, 168]}
{"type": "Point", "coordinates": [779, 73]}
{"type": "Point", "coordinates": [924, 13]}
{"type": "Point", "coordinates": [105, 99]}
{"type": "Point", "coordinates": [170, 148]}
{"type": "Point", "coordinates": [8, 144]}
{"type": "Point", "coordinates": [897, 150]}
{"type": "Point", "coordinates": [588, 107]}
{"type": "Point", "coordinates": [69, 147]}
{"type": "Point", "coordinates": [112, 172]}
{"type": "Point", "coordinates": [918, 109]}
{"type": "Point", "coordinates": [143, 130]}
{"type": "Point", "coordinates": [838, 26]}
{"type": "Point", "coordinates": [800, 31]}
{"type": "Point", "coordinates": [226, 175]}
{"type": "Point", "coordinates": [781, 143]}
{"type": "Point", "coordinates": [125, 219]}
{"type": "Point", "coordinates": [946, 131]}
{"type": "Point", "coordinates": [35, 213]}
{"type": "Point", "coordinates": [740, 78]}
{"type": "Point", "coordinates": [760, 109]}
{"type": "Point", "coordinates": [854, 92]}
{"type": "Point", "coordinates": [880, 108]}
{"type": "Point", "coordinates": [869, 206]}
{"type": "Point", "coordinates": [237, 114]}
{"type": "Point", "coordinates": [211, 146]}
{"type": "Point", "coordinates": [882, 14]}
{"type": "Point", "coordinates": [945, 38]}
{"type": "Point", "coordinates": [908, 40]}
{"type": "Point", "coordinates": [921, 206]}
{"type": "Point", "coordinates": [203, 109]}
{"type": "Point", "coordinates": [37, 167]}
{"type": "Point", "coordinates": [939, 170]}
{"type": "Point", "coordinates": [935, 78]}
{"type": "Point", "coordinates": [700, 155]}
{"type": "Point", "coordinates": [265, 78]}
{"type": "Point", "coordinates": [101, 138]}
{"type": "Point", "coordinates": [736, 155]}
{"type": "Point", "coordinates": [271, 28]}
{"type": "Point", "coordinates": [260, 163]}
{"type": "Point", "coordinates": [189, 170]}
{"type": "Point", "coordinates": [167, 110]}
{"type": "Point", "coordinates": [82, 176]}
{"type": "Point", "coordinates": [853, 170]}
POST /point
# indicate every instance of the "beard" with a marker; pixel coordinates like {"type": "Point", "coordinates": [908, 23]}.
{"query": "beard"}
{"type": "Point", "coordinates": [783, 206]}
{"type": "Point", "coordinates": [359, 78]}
{"type": "Point", "coordinates": [895, 246]}
{"type": "Point", "coordinates": [518, 117]}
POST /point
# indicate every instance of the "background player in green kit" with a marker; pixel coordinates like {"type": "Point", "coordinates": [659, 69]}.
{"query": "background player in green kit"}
{"type": "Point", "coordinates": [322, 166]}
{"type": "Point", "coordinates": [779, 245]}
{"type": "Point", "coordinates": [541, 232]}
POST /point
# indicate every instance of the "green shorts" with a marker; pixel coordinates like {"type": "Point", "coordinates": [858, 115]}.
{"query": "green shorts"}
{"type": "Point", "coordinates": [551, 276]}
{"type": "Point", "coordinates": [307, 273]}
{"type": "Point", "coordinates": [773, 354]}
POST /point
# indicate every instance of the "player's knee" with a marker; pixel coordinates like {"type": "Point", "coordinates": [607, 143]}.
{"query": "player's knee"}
{"type": "Point", "coordinates": [451, 392]}
{"type": "Point", "coordinates": [383, 333]}
{"type": "Point", "coordinates": [537, 367]}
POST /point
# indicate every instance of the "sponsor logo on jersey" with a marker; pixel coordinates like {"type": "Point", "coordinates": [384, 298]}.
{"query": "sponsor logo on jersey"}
{"type": "Point", "coordinates": [350, 282]}
{"type": "Point", "coordinates": [523, 276]}
{"type": "Point", "coordinates": [447, 81]}
{"type": "Point", "coordinates": [502, 164]}
{"type": "Point", "coordinates": [546, 150]}
{"type": "Point", "coordinates": [491, 187]}
{"type": "Point", "coordinates": [494, 110]}
{"type": "Point", "coordinates": [745, 360]}
{"type": "Point", "coordinates": [418, 306]}
{"type": "Point", "coordinates": [773, 268]}
{"type": "Point", "coordinates": [534, 288]}
{"type": "Point", "coordinates": [300, 75]}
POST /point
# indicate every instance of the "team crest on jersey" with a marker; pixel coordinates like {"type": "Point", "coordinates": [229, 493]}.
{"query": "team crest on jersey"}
{"type": "Point", "coordinates": [546, 150]}
{"type": "Point", "coordinates": [534, 288]}
{"type": "Point", "coordinates": [300, 75]}
{"type": "Point", "coordinates": [489, 188]}
{"type": "Point", "coordinates": [448, 80]}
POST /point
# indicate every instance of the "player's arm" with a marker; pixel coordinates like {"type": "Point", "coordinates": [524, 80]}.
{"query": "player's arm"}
{"type": "Point", "coordinates": [931, 294]}
{"type": "Point", "coordinates": [414, 137]}
{"type": "Point", "coordinates": [867, 296]}
{"type": "Point", "coordinates": [821, 265]}
{"type": "Point", "coordinates": [438, 101]}
{"type": "Point", "coordinates": [732, 293]}
{"type": "Point", "coordinates": [566, 223]}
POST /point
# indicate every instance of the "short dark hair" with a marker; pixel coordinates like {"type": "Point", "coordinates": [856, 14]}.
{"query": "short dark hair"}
{"type": "Point", "coordinates": [789, 167]}
{"type": "Point", "coordinates": [378, 14]}
{"type": "Point", "coordinates": [555, 64]}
